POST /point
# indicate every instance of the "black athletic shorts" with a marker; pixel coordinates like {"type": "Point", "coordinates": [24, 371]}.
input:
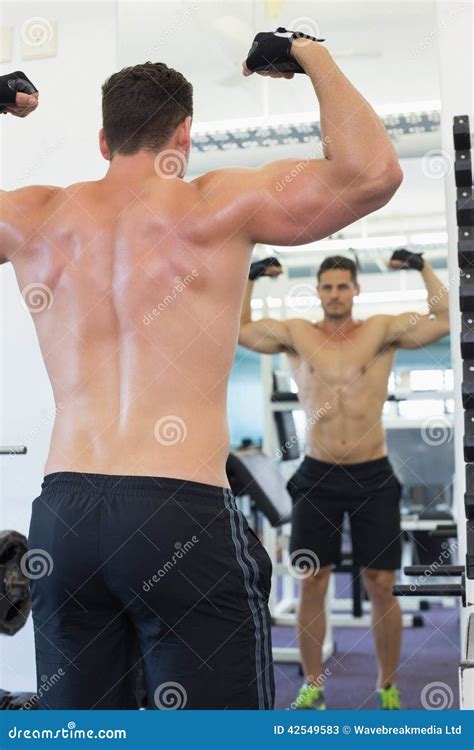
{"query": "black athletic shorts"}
{"type": "Point", "coordinates": [370, 495]}
{"type": "Point", "coordinates": [151, 572]}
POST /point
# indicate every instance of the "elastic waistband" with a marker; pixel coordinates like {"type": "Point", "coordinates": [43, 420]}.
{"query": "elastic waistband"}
{"type": "Point", "coordinates": [131, 485]}
{"type": "Point", "coordinates": [314, 466]}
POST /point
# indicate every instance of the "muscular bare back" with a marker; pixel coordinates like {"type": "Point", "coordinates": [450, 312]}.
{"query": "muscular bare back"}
{"type": "Point", "coordinates": [145, 275]}
{"type": "Point", "coordinates": [140, 325]}
{"type": "Point", "coordinates": [342, 384]}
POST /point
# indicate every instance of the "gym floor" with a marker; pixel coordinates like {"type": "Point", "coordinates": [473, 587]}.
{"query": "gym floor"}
{"type": "Point", "coordinates": [430, 655]}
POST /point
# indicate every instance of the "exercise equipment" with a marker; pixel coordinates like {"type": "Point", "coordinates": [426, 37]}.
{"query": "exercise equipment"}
{"type": "Point", "coordinates": [465, 572]}
{"type": "Point", "coordinates": [254, 475]}
{"type": "Point", "coordinates": [15, 599]}
{"type": "Point", "coordinates": [17, 701]}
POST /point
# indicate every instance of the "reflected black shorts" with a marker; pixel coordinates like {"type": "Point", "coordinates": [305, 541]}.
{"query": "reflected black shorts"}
{"type": "Point", "coordinates": [369, 493]}
{"type": "Point", "coordinates": [151, 572]}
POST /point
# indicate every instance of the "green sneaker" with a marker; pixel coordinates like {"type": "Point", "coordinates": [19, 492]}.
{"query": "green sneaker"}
{"type": "Point", "coordinates": [310, 698]}
{"type": "Point", "coordinates": [389, 698]}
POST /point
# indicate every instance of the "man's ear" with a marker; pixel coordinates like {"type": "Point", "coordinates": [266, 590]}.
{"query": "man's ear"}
{"type": "Point", "coordinates": [104, 149]}
{"type": "Point", "coordinates": [184, 134]}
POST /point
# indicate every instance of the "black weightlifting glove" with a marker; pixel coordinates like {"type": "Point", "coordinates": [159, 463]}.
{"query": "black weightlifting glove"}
{"type": "Point", "coordinates": [10, 84]}
{"type": "Point", "coordinates": [271, 51]}
{"type": "Point", "coordinates": [411, 260]}
{"type": "Point", "coordinates": [260, 266]}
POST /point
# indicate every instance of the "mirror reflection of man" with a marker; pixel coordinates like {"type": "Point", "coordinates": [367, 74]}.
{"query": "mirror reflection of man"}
{"type": "Point", "coordinates": [341, 366]}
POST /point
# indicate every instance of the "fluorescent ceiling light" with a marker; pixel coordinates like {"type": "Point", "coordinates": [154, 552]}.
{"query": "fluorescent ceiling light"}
{"type": "Point", "coordinates": [429, 238]}
{"type": "Point", "coordinates": [298, 118]}
{"type": "Point", "coordinates": [366, 298]}
{"type": "Point", "coordinates": [367, 243]}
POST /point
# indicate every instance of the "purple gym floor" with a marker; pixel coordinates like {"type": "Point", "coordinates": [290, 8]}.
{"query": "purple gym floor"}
{"type": "Point", "coordinates": [430, 654]}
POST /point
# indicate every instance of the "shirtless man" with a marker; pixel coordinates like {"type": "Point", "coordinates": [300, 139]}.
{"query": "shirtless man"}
{"type": "Point", "coordinates": [143, 276]}
{"type": "Point", "coordinates": [341, 366]}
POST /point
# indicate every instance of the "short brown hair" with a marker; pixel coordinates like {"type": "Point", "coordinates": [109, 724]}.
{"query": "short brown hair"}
{"type": "Point", "coordinates": [338, 262]}
{"type": "Point", "coordinates": [142, 106]}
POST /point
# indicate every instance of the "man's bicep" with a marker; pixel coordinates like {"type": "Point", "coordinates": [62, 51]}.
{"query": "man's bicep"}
{"type": "Point", "coordinates": [281, 203]}
{"type": "Point", "coordinates": [297, 202]}
{"type": "Point", "coordinates": [415, 330]}
{"type": "Point", "coordinates": [267, 336]}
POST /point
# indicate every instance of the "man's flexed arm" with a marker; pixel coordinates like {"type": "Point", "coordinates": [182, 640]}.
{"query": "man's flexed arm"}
{"type": "Point", "coordinates": [267, 336]}
{"type": "Point", "coordinates": [412, 330]}
{"type": "Point", "coordinates": [296, 201]}
{"type": "Point", "coordinates": [18, 97]}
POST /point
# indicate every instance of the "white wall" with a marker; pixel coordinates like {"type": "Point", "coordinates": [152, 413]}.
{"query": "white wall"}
{"type": "Point", "coordinates": [56, 145]}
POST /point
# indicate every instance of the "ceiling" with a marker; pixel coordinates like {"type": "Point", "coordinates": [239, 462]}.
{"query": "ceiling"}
{"type": "Point", "coordinates": [387, 49]}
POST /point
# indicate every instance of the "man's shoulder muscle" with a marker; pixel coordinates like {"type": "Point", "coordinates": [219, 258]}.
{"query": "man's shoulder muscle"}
{"type": "Point", "coordinates": [20, 209]}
